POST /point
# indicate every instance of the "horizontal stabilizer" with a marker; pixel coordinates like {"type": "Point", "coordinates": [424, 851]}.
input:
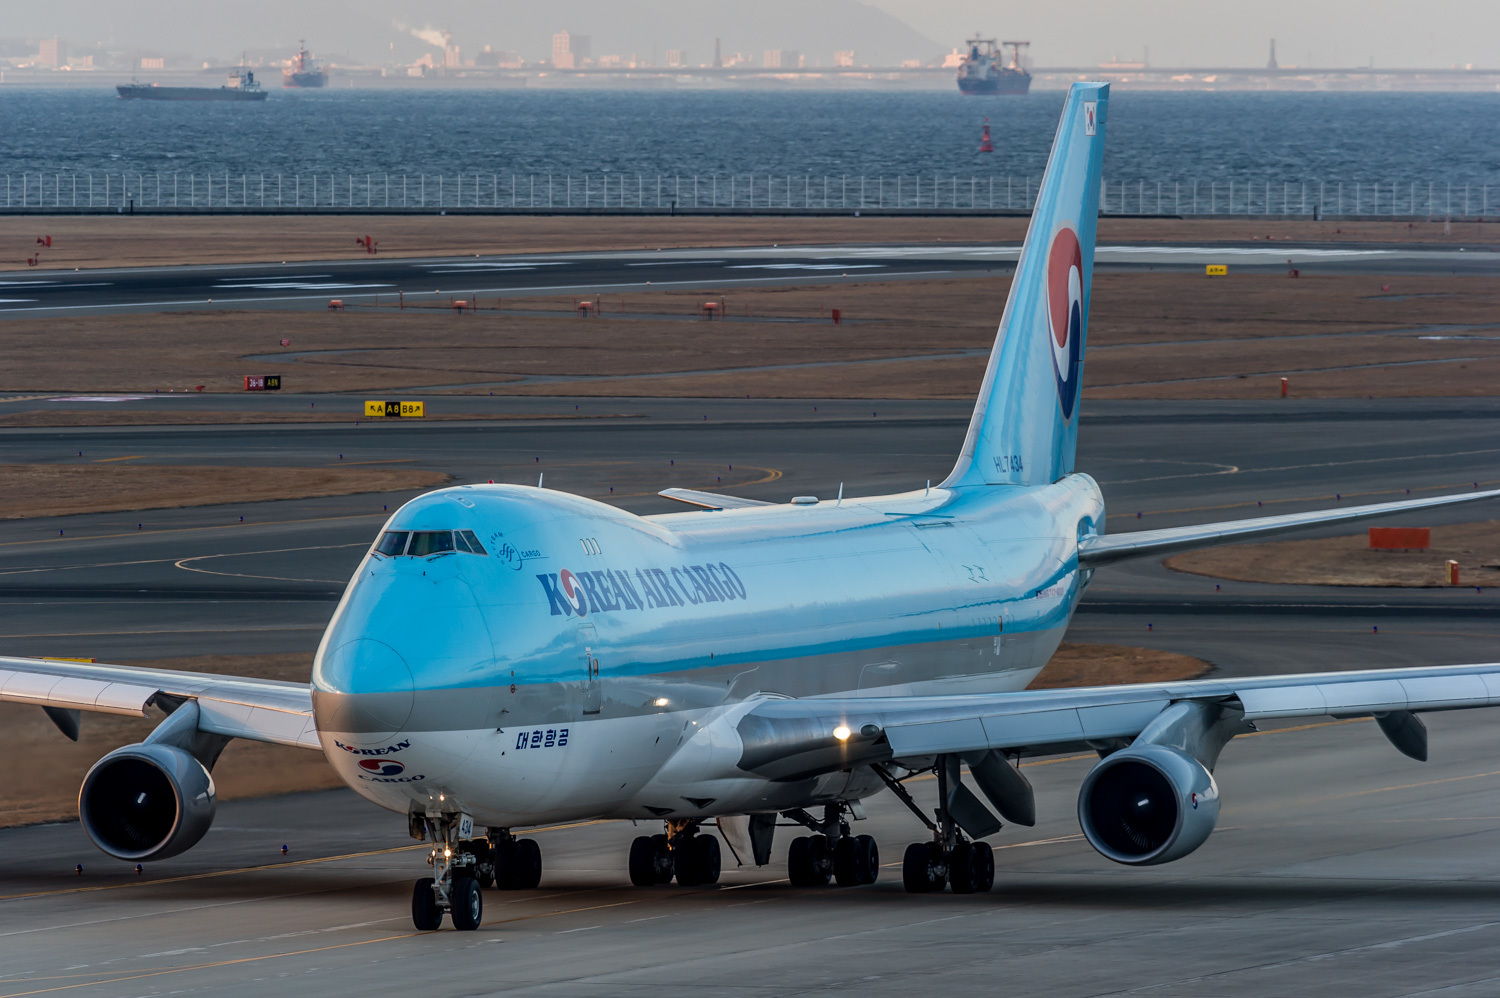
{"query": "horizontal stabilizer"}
{"type": "Point", "coordinates": [1096, 551]}
{"type": "Point", "coordinates": [710, 500]}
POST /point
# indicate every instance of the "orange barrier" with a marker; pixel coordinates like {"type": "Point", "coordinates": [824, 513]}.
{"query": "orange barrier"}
{"type": "Point", "coordinates": [1400, 538]}
{"type": "Point", "coordinates": [1452, 572]}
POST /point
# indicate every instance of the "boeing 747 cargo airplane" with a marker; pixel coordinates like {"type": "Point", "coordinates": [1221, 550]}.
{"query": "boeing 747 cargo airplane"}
{"type": "Point", "coordinates": [507, 656]}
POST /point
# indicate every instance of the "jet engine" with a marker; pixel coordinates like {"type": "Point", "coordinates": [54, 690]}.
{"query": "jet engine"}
{"type": "Point", "coordinates": [1148, 804]}
{"type": "Point", "coordinates": [147, 801]}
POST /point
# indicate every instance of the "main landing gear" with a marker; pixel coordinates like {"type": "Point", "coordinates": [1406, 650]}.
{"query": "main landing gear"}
{"type": "Point", "coordinates": [949, 859]}
{"type": "Point", "coordinates": [850, 860]}
{"type": "Point", "coordinates": [680, 852]}
{"type": "Point", "coordinates": [462, 865]}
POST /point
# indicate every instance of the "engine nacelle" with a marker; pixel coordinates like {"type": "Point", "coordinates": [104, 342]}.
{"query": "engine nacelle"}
{"type": "Point", "coordinates": [1148, 804]}
{"type": "Point", "coordinates": [147, 801]}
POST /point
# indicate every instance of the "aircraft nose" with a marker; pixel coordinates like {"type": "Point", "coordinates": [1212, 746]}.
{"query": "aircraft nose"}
{"type": "Point", "coordinates": [363, 689]}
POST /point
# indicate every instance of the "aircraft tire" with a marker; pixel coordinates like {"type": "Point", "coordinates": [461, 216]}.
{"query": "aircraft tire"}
{"type": "Point", "coordinates": [986, 857]}
{"type": "Point", "coordinates": [425, 913]}
{"type": "Point", "coordinates": [707, 858]}
{"type": "Point", "coordinates": [963, 869]}
{"type": "Point", "coordinates": [665, 861]}
{"type": "Point", "coordinates": [643, 862]}
{"type": "Point", "coordinates": [527, 864]}
{"type": "Point", "coordinates": [847, 866]}
{"type": "Point", "coordinates": [467, 904]}
{"type": "Point", "coordinates": [869, 853]}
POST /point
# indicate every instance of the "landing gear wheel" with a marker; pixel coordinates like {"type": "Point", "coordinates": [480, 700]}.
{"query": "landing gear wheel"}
{"type": "Point", "coordinates": [984, 856]}
{"type": "Point", "coordinates": [484, 861]}
{"type": "Point", "coordinates": [846, 865]}
{"type": "Point", "coordinates": [665, 861]}
{"type": "Point", "coordinates": [868, 854]}
{"type": "Point", "coordinates": [467, 904]}
{"type": "Point", "coordinates": [425, 913]}
{"type": "Point", "coordinates": [809, 861]}
{"type": "Point", "coordinates": [643, 861]}
{"type": "Point", "coordinates": [962, 872]}
{"type": "Point", "coordinates": [921, 868]}
{"type": "Point", "coordinates": [526, 864]}
{"type": "Point", "coordinates": [697, 861]}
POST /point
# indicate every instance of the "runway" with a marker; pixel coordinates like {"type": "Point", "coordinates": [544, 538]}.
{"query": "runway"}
{"type": "Point", "coordinates": [1340, 866]}
{"type": "Point", "coordinates": [311, 285]}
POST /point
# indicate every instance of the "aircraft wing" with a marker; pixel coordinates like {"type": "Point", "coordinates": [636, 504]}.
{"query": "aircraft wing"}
{"type": "Point", "coordinates": [261, 710]}
{"type": "Point", "coordinates": [1102, 550]}
{"type": "Point", "coordinates": [793, 739]}
{"type": "Point", "coordinates": [710, 500]}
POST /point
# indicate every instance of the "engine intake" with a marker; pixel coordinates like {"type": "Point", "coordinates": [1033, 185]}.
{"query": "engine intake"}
{"type": "Point", "coordinates": [1148, 804]}
{"type": "Point", "coordinates": [147, 801]}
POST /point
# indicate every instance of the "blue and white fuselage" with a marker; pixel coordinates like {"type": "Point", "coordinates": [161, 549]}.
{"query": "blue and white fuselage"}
{"type": "Point", "coordinates": [558, 674]}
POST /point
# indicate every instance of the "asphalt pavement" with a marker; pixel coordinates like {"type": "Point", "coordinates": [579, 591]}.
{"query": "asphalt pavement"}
{"type": "Point", "coordinates": [304, 285]}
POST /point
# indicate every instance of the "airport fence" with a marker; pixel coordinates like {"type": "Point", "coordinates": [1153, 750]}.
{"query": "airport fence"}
{"type": "Point", "coordinates": [718, 193]}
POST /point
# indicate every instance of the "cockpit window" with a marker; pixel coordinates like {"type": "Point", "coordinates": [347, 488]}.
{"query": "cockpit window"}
{"type": "Point", "coordinates": [466, 537]}
{"type": "Point", "coordinates": [429, 542]}
{"type": "Point", "coordinates": [392, 542]}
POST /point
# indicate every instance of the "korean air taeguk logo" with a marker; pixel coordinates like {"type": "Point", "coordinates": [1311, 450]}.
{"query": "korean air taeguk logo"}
{"type": "Point", "coordinates": [1065, 314]}
{"type": "Point", "coordinates": [382, 767]}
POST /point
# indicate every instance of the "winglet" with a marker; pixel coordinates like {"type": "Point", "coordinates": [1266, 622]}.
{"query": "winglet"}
{"type": "Point", "coordinates": [710, 500]}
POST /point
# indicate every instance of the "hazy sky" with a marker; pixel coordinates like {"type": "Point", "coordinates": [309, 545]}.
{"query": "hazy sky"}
{"type": "Point", "coordinates": [1394, 33]}
{"type": "Point", "coordinates": [1194, 32]}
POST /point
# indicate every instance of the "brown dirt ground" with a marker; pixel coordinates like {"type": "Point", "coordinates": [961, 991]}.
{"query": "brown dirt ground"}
{"type": "Point", "coordinates": [46, 768]}
{"type": "Point", "coordinates": [28, 490]}
{"type": "Point", "coordinates": [1154, 335]}
{"type": "Point", "coordinates": [1348, 561]}
{"type": "Point", "coordinates": [145, 240]}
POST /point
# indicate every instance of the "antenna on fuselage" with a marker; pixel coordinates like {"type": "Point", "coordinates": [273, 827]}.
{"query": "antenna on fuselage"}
{"type": "Point", "coordinates": [539, 478]}
{"type": "Point", "coordinates": [841, 495]}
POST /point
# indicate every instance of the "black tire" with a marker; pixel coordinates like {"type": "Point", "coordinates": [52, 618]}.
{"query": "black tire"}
{"type": "Point", "coordinates": [799, 861]}
{"type": "Point", "coordinates": [503, 862]}
{"type": "Point", "coordinates": [484, 861]}
{"type": "Point", "coordinates": [935, 867]}
{"type": "Point", "coordinates": [986, 857]}
{"type": "Point", "coordinates": [643, 861]}
{"type": "Point", "coordinates": [961, 864]}
{"type": "Point", "coordinates": [846, 862]}
{"type": "Point", "coordinates": [425, 913]}
{"type": "Point", "coordinates": [822, 860]}
{"type": "Point", "coordinates": [466, 904]}
{"type": "Point", "coordinates": [868, 854]}
{"type": "Point", "coordinates": [666, 863]}
{"type": "Point", "coordinates": [914, 869]}
{"type": "Point", "coordinates": [685, 863]}
{"type": "Point", "coordinates": [527, 864]}
{"type": "Point", "coordinates": [705, 851]}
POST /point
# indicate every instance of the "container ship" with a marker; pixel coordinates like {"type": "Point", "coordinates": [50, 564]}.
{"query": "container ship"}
{"type": "Point", "coordinates": [981, 71]}
{"type": "Point", "coordinates": [242, 85]}
{"type": "Point", "coordinates": [303, 72]}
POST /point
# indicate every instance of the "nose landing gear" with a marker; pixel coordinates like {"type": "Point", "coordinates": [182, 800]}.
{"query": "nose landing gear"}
{"type": "Point", "coordinates": [454, 886]}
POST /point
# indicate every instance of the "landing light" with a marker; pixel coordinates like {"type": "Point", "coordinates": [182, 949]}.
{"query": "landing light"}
{"type": "Point", "coordinates": [841, 732]}
{"type": "Point", "coordinates": [447, 853]}
{"type": "Point", "coordinates": [662, 702]}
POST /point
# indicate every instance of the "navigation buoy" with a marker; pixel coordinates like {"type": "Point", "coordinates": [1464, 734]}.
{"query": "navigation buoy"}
{"type": "Point", "coordinates": [984, 143]}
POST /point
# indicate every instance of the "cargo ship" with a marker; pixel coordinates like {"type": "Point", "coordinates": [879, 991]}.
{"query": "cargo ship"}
{"type": "Point", "coordinates": [981, 71]}
{"type": "Point", "coordinates": [242, 85]}
{"type": "Point", "coordinates": [303, 72]}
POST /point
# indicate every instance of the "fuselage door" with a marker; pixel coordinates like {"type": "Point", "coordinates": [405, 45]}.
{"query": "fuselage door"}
{"type": "Point", "coordinates": [587, 638]}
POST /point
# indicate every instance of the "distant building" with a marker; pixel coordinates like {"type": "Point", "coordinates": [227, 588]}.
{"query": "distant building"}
{"type": "Point", "coordinates": [53, 54]}
{"type": "Point", "coordinates": [953, 59]}
{"type": "Point", "coordinates": [153, 62]}
{"type": "Point", "coordinates": [781, 59]}
{"type": "Point", "coordinates": [912, 64]}
{"type": "Point", "coordinates": [81, 62]}
{"type": "Point", "coordinates": [452, 59]}
{"type": "Point", "coordinates": [676, 58]}
{"type": "Point", "coordinates": [569, 50]}
{"type": "Point", "coordinates": [1271, 63]}
{"type": "Point", "coordinates": [844, 58]}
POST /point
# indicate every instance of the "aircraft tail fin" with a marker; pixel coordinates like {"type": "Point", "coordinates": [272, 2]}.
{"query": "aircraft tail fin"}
{"type": "Point", "coordinates": [1025, 425]}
